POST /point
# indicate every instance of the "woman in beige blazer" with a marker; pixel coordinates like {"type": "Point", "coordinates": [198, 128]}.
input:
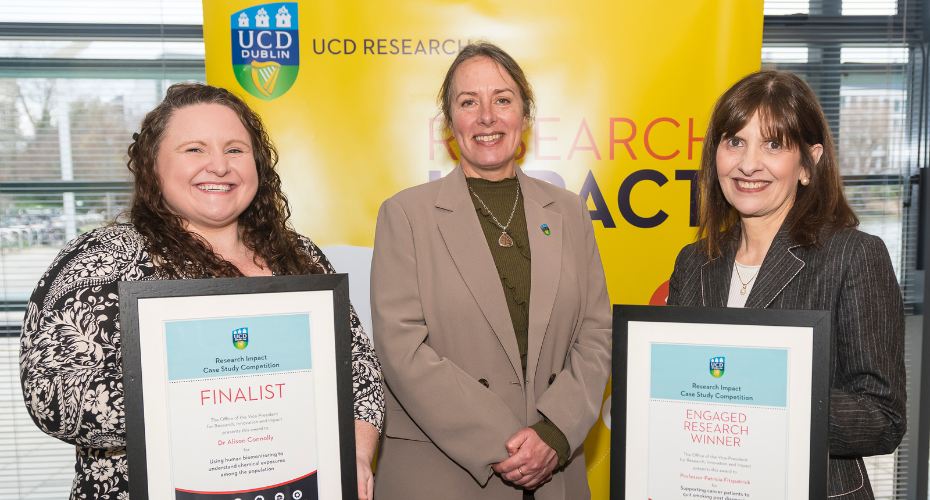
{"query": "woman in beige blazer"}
{"type": "Point", "coordinates": [490, 312]}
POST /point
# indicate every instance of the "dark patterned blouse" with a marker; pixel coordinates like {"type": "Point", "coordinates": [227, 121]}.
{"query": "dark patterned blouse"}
{"type": "Point", "coordinates": [70, 363]}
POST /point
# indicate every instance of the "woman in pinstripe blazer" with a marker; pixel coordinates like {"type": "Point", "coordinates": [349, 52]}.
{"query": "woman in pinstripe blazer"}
{"type": "Point", "coordinates": [776, 231]}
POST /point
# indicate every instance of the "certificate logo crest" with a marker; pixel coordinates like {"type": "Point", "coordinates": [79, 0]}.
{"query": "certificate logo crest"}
{"type": "Point", "coordinates": [240, 338]}
{"type": "Point", "coordinates": [266, 48]}
{"type": "Point", "coordinates": [716, 367]}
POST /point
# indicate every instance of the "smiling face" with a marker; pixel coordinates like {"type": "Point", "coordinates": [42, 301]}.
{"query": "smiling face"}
{"type": "Point", "coordinates": [758, 175]}
{"type": "Point", "coordinates": [205, 167]}
{"type": "Point", "coordinates": [487, 118]}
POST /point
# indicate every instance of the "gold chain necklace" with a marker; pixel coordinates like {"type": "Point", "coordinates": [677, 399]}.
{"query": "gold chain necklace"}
{"type": "Point", "coordinates": [505, 240]}
{"type": "Point", "coordinates": [745, 284]}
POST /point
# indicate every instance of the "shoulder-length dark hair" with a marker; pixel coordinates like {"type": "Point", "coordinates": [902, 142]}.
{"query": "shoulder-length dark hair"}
{"type": "Point", "coordinates": [791, 115]}
{"type": "Point", "coordinates": [496, 54]}
{"type": "Point", "coordinates": [264, 223]}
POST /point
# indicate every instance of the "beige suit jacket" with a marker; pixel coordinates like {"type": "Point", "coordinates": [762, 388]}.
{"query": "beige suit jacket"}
{"type": "Point", "coordinates": [456, 391]}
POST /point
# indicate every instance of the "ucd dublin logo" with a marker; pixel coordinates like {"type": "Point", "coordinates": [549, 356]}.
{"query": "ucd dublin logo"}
{"type": "Point", "coordinates": [240, 338]}
{"type": "Point", "coordinates": [266, 59]}
{"type": "Point", "coordinates": [716, 367]}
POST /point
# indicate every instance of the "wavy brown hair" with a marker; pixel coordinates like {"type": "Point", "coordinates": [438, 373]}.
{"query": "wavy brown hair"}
{"type": "Point", "coordinates": [792, 116]}
{"type": "Point", "coordinates": [264, 225]}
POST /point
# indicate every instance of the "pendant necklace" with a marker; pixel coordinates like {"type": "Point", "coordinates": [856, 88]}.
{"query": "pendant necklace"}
{"type": "Point", "coordinates": [505, 240]}
{"type": "Point", "coordinates": [743, 291]}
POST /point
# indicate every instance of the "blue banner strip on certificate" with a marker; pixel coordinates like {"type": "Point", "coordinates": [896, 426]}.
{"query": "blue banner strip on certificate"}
{"type": "Point", "coordinates": [206, 348]}
{"type": "Point", "coordinates": [715, 374]}
{"type": "Point", "coordinates": [303, 488]}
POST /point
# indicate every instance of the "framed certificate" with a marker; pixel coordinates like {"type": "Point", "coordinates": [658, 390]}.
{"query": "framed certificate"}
{"type": "Point", "coordinates": [239, 388]}
{"type": "Point", "coordinates": [719, 403]}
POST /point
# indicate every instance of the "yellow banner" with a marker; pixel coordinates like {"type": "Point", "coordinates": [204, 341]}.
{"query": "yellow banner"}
{"type": "Point", "coordinates": [624, 91]}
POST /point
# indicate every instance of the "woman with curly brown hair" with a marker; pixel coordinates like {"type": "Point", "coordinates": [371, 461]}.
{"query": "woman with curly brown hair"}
{"type": "Point", "coordinates": [207, 203]}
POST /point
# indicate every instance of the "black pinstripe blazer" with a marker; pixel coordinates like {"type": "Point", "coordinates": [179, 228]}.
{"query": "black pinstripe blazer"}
{"type": "Point", "coordinates": [850, 275]}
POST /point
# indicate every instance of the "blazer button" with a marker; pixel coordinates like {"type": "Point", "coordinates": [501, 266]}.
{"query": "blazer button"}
{"type": "Point", "coordinates": [551, 379]}
{"type": "Point", "coordinates": [483, 382]}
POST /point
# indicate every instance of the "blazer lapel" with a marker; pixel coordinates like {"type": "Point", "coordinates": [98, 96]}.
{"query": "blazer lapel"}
{"type": "Point", "coordinates": [779, 267]}
{"type": "Point", "coordinates": [546, 264]}
{"type": "Point", "coordinates": [715, 279]}
{"type": "Point", "coordinates": [462, 234]}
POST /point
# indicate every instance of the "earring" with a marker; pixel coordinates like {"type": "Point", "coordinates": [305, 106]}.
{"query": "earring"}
{"type": "Point", "coordinates": [805, 181]}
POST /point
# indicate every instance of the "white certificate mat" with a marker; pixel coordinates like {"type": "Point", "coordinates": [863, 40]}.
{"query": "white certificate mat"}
{"type": "Point", "coordinates": [240, 395]}
{"type": "Point", "coordinates": [717, 410]}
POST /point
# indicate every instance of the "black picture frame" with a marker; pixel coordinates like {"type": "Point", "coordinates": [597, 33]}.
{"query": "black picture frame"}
{"type": "Point", "coordinates": [818, 321]}
{"type": "Point", "coordinates": [130, 292]}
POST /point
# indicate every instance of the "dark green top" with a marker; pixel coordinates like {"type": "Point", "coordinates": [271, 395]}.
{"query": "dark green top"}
{"type": "Point", "coordinates": [513, 267]}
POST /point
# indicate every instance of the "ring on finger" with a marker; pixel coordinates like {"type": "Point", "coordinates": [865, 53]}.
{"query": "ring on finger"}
{"type": "Point", "coordinates": [520, 470]}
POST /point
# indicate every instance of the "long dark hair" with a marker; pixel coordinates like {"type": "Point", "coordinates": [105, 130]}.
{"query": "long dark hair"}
{"type": "Point", "coordinates": [264, 223]}
{"type": "Point", "coordinates": [790, 113]}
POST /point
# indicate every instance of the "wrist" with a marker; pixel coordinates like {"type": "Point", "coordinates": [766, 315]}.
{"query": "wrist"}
{"type": "Point", "coordinates": [550, 434]}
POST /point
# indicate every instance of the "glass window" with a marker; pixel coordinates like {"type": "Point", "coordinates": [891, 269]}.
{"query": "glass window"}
{"type": "Point", "coordinates": [104, 12]}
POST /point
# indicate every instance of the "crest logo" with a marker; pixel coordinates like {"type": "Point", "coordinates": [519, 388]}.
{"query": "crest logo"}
{"type": "Point", "coordinates": [240, 338]}
{"type": "Point", "coordinates": [266, 51]}
{"type": "Point", "coordinates": [716, 367]}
